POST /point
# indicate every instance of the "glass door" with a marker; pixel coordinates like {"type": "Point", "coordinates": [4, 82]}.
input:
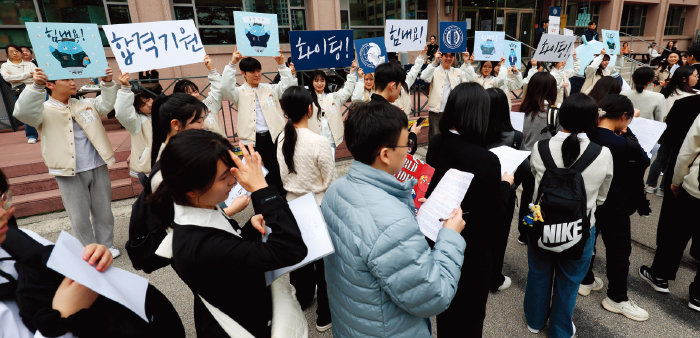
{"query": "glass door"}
{"type": "Point", "coordinates": [519, 26]}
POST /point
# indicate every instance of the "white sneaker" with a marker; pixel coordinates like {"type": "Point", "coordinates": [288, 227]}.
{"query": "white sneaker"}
{"type": "Point", "coordinates": [505, 285]}
{"type": "Point", "coordinates": [650, 190]}
{"type": "Point", "coordinates": [115, 252]}
{"type": "Point", "coordinates": [660, 192]}
{"type": "Point", "coordinates": [585, 289]}
{"type": "Point", "coordinates": [572, 324]}
{"type": "Point", "coordinates": [31, 141]}
{"type": "Point", "coordinates": [532, 330]}
{"type": "Point", "coordinates": [628, 309]}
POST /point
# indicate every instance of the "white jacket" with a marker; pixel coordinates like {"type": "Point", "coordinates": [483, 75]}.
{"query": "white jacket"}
{"type": "Point", "coordinates": [508, 83]}
{"type": "Point", "coordinates": [213, 101]}
{"type": "Point", "coordinates": [687, 163]}
{"type": "Point", "coordinates": [404, 100]}
{"type": "Point", "coordinates": [18, 74]}
{"type": "Point", "coordinates": [562, 76]}
{"type": "Point", "coordinates": [140, 128]}
{"type": "Point", "coordinates": [359, 94]}
{"type": "Point", "coordinates": [332, 107]}
{"type": "Point", "coordinates": [469, 75]}
{"type": "Point", "coordinates": [592, 77]}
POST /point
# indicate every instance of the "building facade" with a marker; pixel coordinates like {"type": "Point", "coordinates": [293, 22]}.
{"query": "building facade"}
{"type": "Point", "coordinates": [659, 21]}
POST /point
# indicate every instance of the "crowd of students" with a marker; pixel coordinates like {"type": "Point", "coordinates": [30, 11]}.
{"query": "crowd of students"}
{"type": "Point", "coordinates": [385, 278]}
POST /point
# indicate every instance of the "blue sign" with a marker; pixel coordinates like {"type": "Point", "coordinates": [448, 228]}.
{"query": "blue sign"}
{"type": "Point", "coordinates": [512, 53]}
{"type": "Point", "coordinates": [370, 53]}
{"type": "Point", "coordinates": [256, 34]}
{"type": "Point", "coordinates": [554, 11]}
{"type": "Point", "coordinates": [321, 49]}
{"type": "Point", "coordinates": [612, 41]}
{"type": "Point", "coordinates": [453, 36]}
{"type": "Point", "coordinates": [68, 50]}
{"type": "Point", "coordinates": [488, 46]}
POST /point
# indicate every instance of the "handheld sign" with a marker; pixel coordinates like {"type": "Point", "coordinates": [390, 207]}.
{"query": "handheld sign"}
{"type": "Point", "coordinates": [453, 36]}
{"type": "Point", "coordinates": [370, 53]}
{"type": "Point", "coordinates": [488, 46]}
{"type": "Point", "coordinates": [586, 53]}
{"type": "Point", "coordinates": [512, 53]}
{"type": "Point", "coordinates": [612, 41]}
{"type": "Point", "coordinates": [554, 48]}
{"type": "Point", "coordinates": [256, 33]}
{"type": "Point", "coordinates": [321, 49]}
{"type": "Point", "coordinates": [405, 35]}
{"type": "Point", "coordinates": [154, 45]}
{"type": "Point", "coordinates": [68, 50]}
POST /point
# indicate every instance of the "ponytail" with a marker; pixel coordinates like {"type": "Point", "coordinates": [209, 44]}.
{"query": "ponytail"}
{"type": "Point", "coordinates": [578, 114]}
{"type": "Point", "coordinates": [314, 98]}
{"type": "Point", "coordinates": [178, 106]}
{"type": "Point", "coordinates": [570, 149]}
{"type": "Point", "coordinates": [161, 202]}
{"type": "Point", "coordinates": [290, 140]}
{"type": "Point", "coordinates": [295, 102]}
{"type": "Point", "coordinates": [642, 77]}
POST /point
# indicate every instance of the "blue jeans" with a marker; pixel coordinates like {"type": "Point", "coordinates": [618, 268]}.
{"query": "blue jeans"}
{"type": "Point", "coordinates": [29, 131]}
{"type": "Point", "coordinates": [566, 275]}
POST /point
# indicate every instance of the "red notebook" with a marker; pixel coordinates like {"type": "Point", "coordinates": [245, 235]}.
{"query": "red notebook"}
{"type": "Point", "coordinates": [415, 168]}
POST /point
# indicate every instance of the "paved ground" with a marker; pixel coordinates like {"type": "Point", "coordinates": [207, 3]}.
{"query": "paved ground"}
{"type": "Point", "coordinates": [670, 315]}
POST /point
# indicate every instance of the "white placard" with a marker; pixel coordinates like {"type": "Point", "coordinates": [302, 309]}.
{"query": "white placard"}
{"type": "Point", "coordinates": [469, 23]}
{"type": "Point", "coordinates": [554, 48]}
{"type": "Point", "coordinates": [510, 158]}
{"type": "Point", "coordinates": [121, 286]}
{"type": "Point", "coordinates": [517, 119]}
{"type": "Point", "coordinates": [553, 29]}
{"type": "Point", "coordinates": [568, 32]}
{"type": "Point", "coordinates": [499, 20]}
{"type": "Point", "coordinates": [447, 196]}
{"type": "Point", "coordinates": [314, 231]}
{"type": "Point", "coordinates": [554, 20]}
{"type": "Point", "coordinates": [155, 45]}
{"type": "Point", "coordinates": [647, 131]}
{"type": "Point", "coordinates": [405, 35]}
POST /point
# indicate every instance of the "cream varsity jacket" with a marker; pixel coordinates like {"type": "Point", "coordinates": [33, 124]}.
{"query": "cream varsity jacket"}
{"type": "Point", "coordinates": [140, 128]}
{"type": "Point", "coordinates": [56, 125]}
{"type": "Point", "coordinates": [687, 163]}
{"type": "Point", "coordinates": [592, 78]}
{"type": "Point", "coordinates": [268, 95]}
{"type": "Point", "coordinates": [562, 76]}
{"type": "Point", "coordinates": [213, 101]}
{"type": "Point", "coordinates": [332, 105]}
{"type": "Point", "coordinates": [437, 81]}
{"type": "Point", "coordinates": [404, 100]}
{"type": "Point", "coordinates": [18, 74]}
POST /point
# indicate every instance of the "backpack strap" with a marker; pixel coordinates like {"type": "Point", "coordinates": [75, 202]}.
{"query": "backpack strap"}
{"type": "Point", "coordinates": [589, 155]}
{"type": "Point", "coordinates": [517, 139]}
{"type": "Point", "coordinates": [546, 155]}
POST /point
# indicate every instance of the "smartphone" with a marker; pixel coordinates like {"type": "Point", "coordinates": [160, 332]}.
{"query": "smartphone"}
{"type": "Point", "coordinates": [420, 121]}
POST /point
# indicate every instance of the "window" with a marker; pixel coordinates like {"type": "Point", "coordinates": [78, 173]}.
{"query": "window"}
{"type": "Point", "coordinates": [675, 20]}
{"type": "Point", "coordinates": [633, 19]}
{"type": "Point", "coordinates": [366, 17]}
{"type": "Point", "coordinates": [14, 13]}
{"type": "Point", "coordinates": [579, 14]}
{"type": "Point", "coordinates": [214, 18]}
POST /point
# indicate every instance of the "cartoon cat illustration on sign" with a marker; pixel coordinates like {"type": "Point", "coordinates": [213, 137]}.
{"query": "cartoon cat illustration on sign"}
{"type": "Point", "coordinates": [258, 36]}
{"type": "Point", "coordinates": [71, 56]}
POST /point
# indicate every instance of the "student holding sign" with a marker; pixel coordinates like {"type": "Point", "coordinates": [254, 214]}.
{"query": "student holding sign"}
{"type": "Point", "coordinates": [79, 151]}
{"type": "Point", "coordinates": [507, 83]}
{"type": "Point", "coordinates": [562, 75]}
{"type": "Point", "coordinates": [364, 87]}
{"type": "Point", "coordinates": [486, 76]}
{"type": "Point", "coordinates": [260, 117]}
{"type": "Point", "coordinates": [442, 78]}
{"type": "Point", "coordinates": [404, 100]}
{"type": "Point", "coordinates": [133, 111]}
{"type": "Point", "coordinates": [599, 68]}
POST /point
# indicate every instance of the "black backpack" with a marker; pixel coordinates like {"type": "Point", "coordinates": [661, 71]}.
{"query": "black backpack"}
{"type": "Point", "coordinates": [144, 234]}
{"type": "Point", "coordinates": [561, 196]}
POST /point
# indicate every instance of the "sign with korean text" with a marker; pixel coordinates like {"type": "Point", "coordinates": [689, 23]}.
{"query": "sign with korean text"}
{"type": "Point", "coordinates": [154, 45]}
{"type": "Point", "coordinates": [370, 53]}
{"type": "Point", "coordinates": [405, 35]}
{"type": "Point", "coordinates": [488, 46]}
{"type": "Point", "coordinates": [611, 40]}
{"type": "Point", "coordinates": [453, 36]}
{"type": "Point", "coordinates": [256, 34]}
{"type": "Point", "coordinates": [68, 50]}
{"type": "Point", "coordinates": [321, 49]}
{"type": "Point", "coordinates": [554, 48]}
{"type": "Point", "coordinates": [512, 53]}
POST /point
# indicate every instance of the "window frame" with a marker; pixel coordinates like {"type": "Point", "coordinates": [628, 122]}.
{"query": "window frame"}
{"type": "Point", "coordinates": [678, 28]}
{"type": "Point", "coordinates": [345, 7]}
{"type": "Point", "coordinates": [629, 29]}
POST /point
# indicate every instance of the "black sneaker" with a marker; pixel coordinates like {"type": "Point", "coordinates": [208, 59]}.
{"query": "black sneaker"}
{"type": "Point", "coordinates": [323, 324]}
{"type": "Point", "coordinates": [694, 302]}
{"type": "Point", "coordinates": [522, 240]}
{"type": "Point", "coordinates": [659, 284]}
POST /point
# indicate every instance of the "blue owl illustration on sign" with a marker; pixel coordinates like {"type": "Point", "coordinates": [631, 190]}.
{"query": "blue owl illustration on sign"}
{"type": "Point", "coordinates": [258, 36]}
{"type": "Point", "coordinates": [487, 47]}
{"type": "Point", "coordinates": [71, 56]}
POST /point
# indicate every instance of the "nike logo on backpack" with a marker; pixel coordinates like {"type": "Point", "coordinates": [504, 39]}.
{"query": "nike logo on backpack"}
{"type": "Point", "coordinates": [564, 234]}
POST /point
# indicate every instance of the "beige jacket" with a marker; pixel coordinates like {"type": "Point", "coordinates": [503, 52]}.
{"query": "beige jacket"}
{"type": "Point", "coordinates": [140, 128]}
{"type": "Point", "coordinates": [592, 77]}
{"type": "Point", "coordinates": [18, 74]}
{"type": "Point", "coordinates": [332, 105]}
{"type": "Point", "coordinates": [687, 164]}
{"type": "Point", "coordinates": [404, 100]}
{"type": "Point", "coordinates": [56, 125]}
{"type": "Point", "coordinates": [437, 81]}
{"type": "Point", "coordinates": [268, 95]}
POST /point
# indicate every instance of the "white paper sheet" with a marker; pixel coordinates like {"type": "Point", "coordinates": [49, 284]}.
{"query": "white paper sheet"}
{"type": "Point", "coordinates": [447, 196]}
{"type": "Point", "coordinates": [517, 119]}
{"type": "Point", "coordinates": [314, 231]}
{"type": "Point", "coordinates": [121, 286]}
{"type": "Point", "coordinates": [510, 158]}
{"type": "Point", "coordinates": [648, 132]}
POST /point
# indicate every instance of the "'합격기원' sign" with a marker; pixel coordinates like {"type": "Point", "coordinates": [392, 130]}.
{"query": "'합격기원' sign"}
{"type": "Point", "coordinates": [321, 49]}
{"type": "Point", "coordinates": [405, 35]}
{"type": "Point", "coordinates": [554, 48]}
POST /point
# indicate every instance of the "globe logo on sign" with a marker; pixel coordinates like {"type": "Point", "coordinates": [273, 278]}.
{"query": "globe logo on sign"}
{"type": "Point", "coordinates": [371, 55]}
{"type": "Point", "coordinates": [452, 37]}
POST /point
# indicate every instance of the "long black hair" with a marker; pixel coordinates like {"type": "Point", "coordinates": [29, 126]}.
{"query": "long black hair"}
{"type": "Point", "coordinates": [467, 110]}
{"type": "Point", "coordinates": [616, 106]}
{"type": "Point", "coordinates": [577, 114]}
{"type": "Point", "coordinates": [679, 81]}
{"type": "Point", "coordinates": [542, 87]}
{"type": "Point", "coordinates": [189, 163]}
{"type": "Point", "coordinates": [185, 86]}
{"type": "Point", "coordinates": [295, 102]}
{"type": "Point", "coordinates": [599, 71]}
{"type": "Point", "coordinates": [493, 66]}
{"type": "Point", "coordinates": [178, 106]}
{"type": "Point", "coordinates": [499, 116]}
{"type": "Point", "coordinates": [140, 98]}
{"type": "Point", "coordinates": [605, 85]}
{"type": "Point", "coordinates": [642, 77]}
{"type": "Point", "coordinates": [314, 97]}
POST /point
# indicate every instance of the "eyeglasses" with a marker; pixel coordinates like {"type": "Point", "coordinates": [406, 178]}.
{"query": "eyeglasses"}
{"type": "Point", "coordinates": [409, 146]}
{"type": "Point", "coordinates": [6, 199]}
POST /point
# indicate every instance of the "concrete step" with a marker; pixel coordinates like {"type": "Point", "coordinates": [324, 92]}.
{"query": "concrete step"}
{"type": "Point", "coordinates": [30, 184]}
{"type": "Point", "coordinates": [50, 200]}
{"type": "Point", "coordinates": [39, 167]}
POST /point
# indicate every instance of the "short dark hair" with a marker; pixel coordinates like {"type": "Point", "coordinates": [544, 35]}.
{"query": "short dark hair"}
{"type": "Point", "coordinates": [467, 110]}
{"type": "Point", "coordinates": [178, 106]}
{"type": "Point", "coordinates": [694, 50]}
{"type": "Point", "coordinates": [605, 85]}
{"type": "Point", "coordinates": [592, 23]}
{"type": "Point", "coordinates": [184, 85]}
{"type": "Point", "coordinates": [616, 106]}
{"type": "Point", "coordinates": [4, 183]}
{"type": "Point", "coordinates": [388, 72]}
{"type": "Point", "coordinates": [641, 77]}
{"type": "Point", "coordinates": [250, 64]}
{"type": "Point", "coordinates": [544, 21]}
{"type": "Point", "coordinates": [27, 47]}
{"type": "Point", "coordinates": [372, 126]}
{"type": "Point", "coordinates": [577, 114]}
{"type": "Point", "coordinates": [7, 48]}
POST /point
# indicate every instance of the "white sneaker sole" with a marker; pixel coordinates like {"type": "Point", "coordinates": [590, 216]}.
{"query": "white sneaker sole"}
{"type": "Point", "coordinates": [324, 328]}
{"type": "Point", "coordinates": [694, 307]}
{"type": "Point", "coordinates": [612, 309]}
{"type": "Point", "coordinates": [656, 288]}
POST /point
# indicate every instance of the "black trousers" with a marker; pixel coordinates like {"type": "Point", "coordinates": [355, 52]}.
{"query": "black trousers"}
{"type": "Point", "coordinates": [500, 242]}
{"type": "Point", "coordinates": [434, 123]}
{"type": "Point", "coordinates": [305, 281]}
{"type": "Point", "coordinates": [528, 182]}
{"type": "Point", "coordinates": [677, 225]}
{"type": "Point", "coordinates": [266, 147]}
{"type": "Point", "coordinates": [614, 228]}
